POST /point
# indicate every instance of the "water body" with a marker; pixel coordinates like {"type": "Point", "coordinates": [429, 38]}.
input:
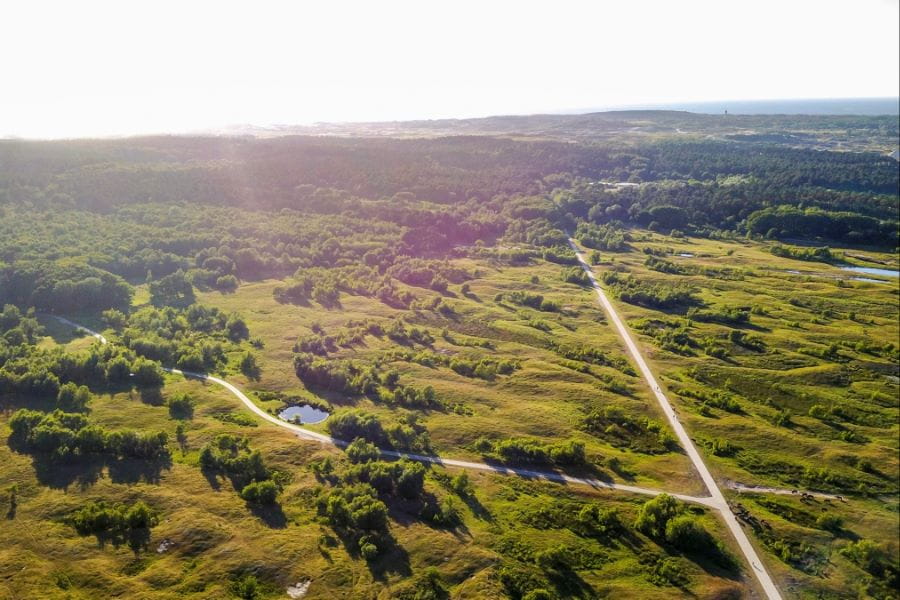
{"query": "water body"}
{"type": "Point", "coordinates": [869, 280]}
{"type": "Point", "coordinates": [308, 414]}
{"type": "Point", "coordinates": [686, 254]}
{"type": "Point", "coordinates": [835, 106]}
{"type": "Point", "coordinates": [873, 271]}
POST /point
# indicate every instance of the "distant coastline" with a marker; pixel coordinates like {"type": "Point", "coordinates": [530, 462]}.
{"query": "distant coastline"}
{"type": "Point", "coordinates": [814, 106]}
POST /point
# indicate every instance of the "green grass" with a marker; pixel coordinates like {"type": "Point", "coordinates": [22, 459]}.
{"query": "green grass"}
{"type": "Point", "coordinates": [218, 538]}
{"type": "Point", "coordinates": [543, 399]}
{"type": "Point", "coordinates": [797, 317]}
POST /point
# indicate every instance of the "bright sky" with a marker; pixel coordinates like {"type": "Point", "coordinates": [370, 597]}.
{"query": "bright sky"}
{"type": "Point", "coordinates": [90, 68]}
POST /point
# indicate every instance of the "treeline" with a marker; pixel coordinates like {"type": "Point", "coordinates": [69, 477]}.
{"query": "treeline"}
{"type": "Point", "coordinates": [602, 237]}
{"type": "Point", "coordinates": [70, 436]}
{"type": "Point", "coordinates": [407, 434]}
{"type": "Point", "coordinates": [193, 339]}
{"type": "Point", "coordinates": [286, 171]}
{"type": "Point", "coordinates": [116, 523]}
{"type": "Point", "coordinates": [62, 286]}
{"type": "Point", "coordinates": [293, 171]}
{"type": "Point", "coordinates": [569, 453]}
{"type": "Point", "coordinates": [666, 266]}
{"type": "Point", "coordinates": [781, 166]}
{"type": "Point", "coordinates": [652, 295]}
{"type": "Point", "coordinates": [98, 517]}
{"type": "Point", "coordinates": [707, 187]}
{"type": "Point", "coordinates": [823, 254]}
{"type": "Point", "coordinates": [811, 223]}
{"type": "Point", "coordinates": [45, 373]}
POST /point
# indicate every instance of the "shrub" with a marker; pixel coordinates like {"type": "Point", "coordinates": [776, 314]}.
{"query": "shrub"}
{"type": "Point", "coordinates": [361, 451]}
{"type": "Point", "coordinates": [260, 492]}
{"type": "Point", "coordinates": [236, 328]}
{"type": "Point", "coordinates": [246, 588]}
{"type": "Point", "coordinates": [73, 397]}
{"type": "Point", "coordinates": [181, 406]}
{"type": "Point", "coordinates": [248, 365]}
{"type": "Point", "coordinates": [227, 283]}
{"type": "Point", "coordinates": [147, 373]}
{"type": "Point", "coordinates": [425, 586]}
{"type": "Point", "coordinates": [116, 519]}
{"type": "Point", "coordinates": [655, 515]}
{"type": "Point", "coordinates": [829, 522]}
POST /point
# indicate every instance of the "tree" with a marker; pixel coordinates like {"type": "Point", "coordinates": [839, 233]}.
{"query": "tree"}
{"type": "Point", "coordinates": [192, 361]}
{"type": "Point", "coordinates": [685, 533]}
{"type": "Point", "coordinates": [118, 370]}
{"type": "Point", "coordinates": [227, 283]}
{"type": "Point", "coordinates": [236, 328]}
{"type": "Point", "coordinates": [147, 373]}
{"type": "Point", "coordinates": [361, 451]}
{"type": "Point", "coordinates": [172, 290]}
{"type": "Point", "coordinates": [73, 397]}
{"type": "Point", "coordinates": [410, 478]}
{"type": "Point", "coordinates": [140, 516]}
{"type": "Point", "coordinates": [461, 484]}
{"type": "Point", "coordinates": [181, 406]}
{"type": "Point", "coordinates": [655, 515]}
{"type": "Point", "coordinates": [115, 319]}
{"type": "Point", "coordinates": [248, 365]}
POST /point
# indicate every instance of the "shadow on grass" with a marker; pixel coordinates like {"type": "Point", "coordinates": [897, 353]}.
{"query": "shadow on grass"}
{"type": "Point", "coordinates": [134, 470]}
{"type": "Point", "coordinates": [253, 373]}
{"type": "Point", "coordinates": [270, 514]}
{"type": "Point", "coordinates": [392, 559]}
{"type": "Point", "coordinates": [86, 472]}
{"type": "Point", "coordinates": [138, 540]}
{"type": "Point", "coordinates": [569, 584]}
{"type": "Point", "coordinates": [212, 478]}
{"type": "Point", "coordinates": [478, 509]}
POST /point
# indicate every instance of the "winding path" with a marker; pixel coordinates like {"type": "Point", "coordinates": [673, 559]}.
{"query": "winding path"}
{"type": "Point", "coordinates": [302, 432]}
{"type": "Point", "coordinates": [717, 500]}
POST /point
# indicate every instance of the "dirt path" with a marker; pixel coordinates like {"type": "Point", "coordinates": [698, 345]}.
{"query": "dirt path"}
{"type": "Point", "coordinates": [437, 460]}
{"type": "Point", "coordinates": [718, 499]}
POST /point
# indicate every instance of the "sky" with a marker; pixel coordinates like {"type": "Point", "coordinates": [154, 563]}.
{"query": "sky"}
{"type": "Point", "coordinates": [97, 68]}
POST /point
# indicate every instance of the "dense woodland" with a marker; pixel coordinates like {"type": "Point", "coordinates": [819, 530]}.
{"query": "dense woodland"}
{"type": "Point", "coordinates": [82, 218]}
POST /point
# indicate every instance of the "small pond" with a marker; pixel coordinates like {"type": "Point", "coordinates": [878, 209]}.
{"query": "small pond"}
{"type": "Point", "coordinates": [870, 280]}
{"type": "Point", "coordinates": [873, 271]}
{"type": "Point", "coordinates": [308, 414]}
{"type": "Point", "coordinates": [686, 255]}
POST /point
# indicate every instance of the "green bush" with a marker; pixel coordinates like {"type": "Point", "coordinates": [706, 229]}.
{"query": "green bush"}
{"type": "Point", "coordinates": [181, 406]}
{"type": "Point", "coordinates": [260, 492]}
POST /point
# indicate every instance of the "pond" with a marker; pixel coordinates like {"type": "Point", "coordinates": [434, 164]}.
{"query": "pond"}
{"type": "Point", "coordinates": [869, 280]}
{"type": "Point", "coordinates": [872, 271]}
{"type": "Point", "coordinates": [308, 414]}
{"type": "Point", "coordinates": [685, 255]}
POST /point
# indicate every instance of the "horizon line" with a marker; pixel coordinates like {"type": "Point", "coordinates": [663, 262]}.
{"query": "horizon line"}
{"type": "Point", "coordinates": [571, 112]}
